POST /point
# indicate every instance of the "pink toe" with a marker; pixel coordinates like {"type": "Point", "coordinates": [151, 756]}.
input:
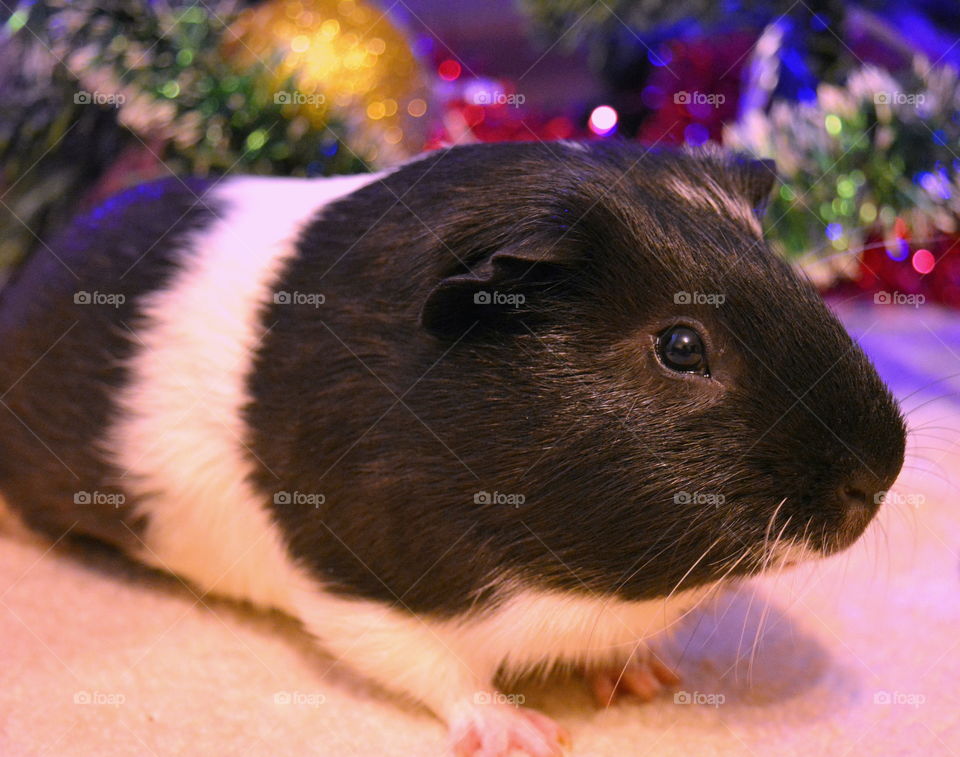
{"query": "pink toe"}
{"type": "Point", "coordinates": [496, 730]}
{"type": "Point", "coordinates": [664, 674]}
{"type": "Point", "coordinates": [603, 687]}
{"type": "Point", "coordinates": [640, 682]}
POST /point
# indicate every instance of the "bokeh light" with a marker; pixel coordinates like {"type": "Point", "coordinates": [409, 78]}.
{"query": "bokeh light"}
{"type": "Point", "coordinates": [603, 120]}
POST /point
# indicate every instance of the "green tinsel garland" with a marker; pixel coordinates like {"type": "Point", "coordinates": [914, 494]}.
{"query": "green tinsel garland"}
{"type": "Point", "coordinates": [863, 155]}
{"type": "Point", "coordinates": [82, 82]}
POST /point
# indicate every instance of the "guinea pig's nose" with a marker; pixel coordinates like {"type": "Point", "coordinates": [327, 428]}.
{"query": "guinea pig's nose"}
{"type": "Point", "coordinates": [851, 495]}
{"type": "Point", "coordinates": [860, 498]}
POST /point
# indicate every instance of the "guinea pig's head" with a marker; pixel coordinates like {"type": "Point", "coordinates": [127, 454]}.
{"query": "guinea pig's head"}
{"type": "Point", "coordinates": [675, 403]}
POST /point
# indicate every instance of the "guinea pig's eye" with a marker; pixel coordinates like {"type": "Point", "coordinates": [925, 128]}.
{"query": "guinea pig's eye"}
{"type": "Point", "coordinates": [681, 349]}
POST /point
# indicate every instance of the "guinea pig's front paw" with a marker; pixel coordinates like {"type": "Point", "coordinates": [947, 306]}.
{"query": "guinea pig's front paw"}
{"type": "Point", "coordinates": [642, 677]}
{"type": "Point", "coordinates": [486, 727]}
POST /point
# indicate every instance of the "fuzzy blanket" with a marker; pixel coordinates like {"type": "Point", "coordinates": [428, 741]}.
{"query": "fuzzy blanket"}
{"type": "Point", "coordinates": [859, 654]}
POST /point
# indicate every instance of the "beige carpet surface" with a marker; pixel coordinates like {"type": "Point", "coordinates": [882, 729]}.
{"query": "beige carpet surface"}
{"type": "Point", "coordinates": [856, 655]}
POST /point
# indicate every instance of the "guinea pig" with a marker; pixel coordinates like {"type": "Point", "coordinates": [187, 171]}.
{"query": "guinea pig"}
{"type": "Point", "coordinates": [502, 408]}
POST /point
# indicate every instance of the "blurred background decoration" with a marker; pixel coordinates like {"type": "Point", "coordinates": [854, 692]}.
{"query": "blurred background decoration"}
{"type": "Point", "coordinates": [97, 96]}
{"type": "Point", "coordinates": [859, 103]}
{"type": "Point", "coordinates": [340, 58]}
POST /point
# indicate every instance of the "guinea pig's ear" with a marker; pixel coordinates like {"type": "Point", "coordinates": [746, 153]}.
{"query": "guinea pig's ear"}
{"type": "Point", "coordinates": [495, 291]}
{"type": "Point", "coordinates": [755, 179]}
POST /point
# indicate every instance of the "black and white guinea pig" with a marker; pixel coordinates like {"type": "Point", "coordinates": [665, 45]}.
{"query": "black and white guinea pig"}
{"type": "Point", "coordinates": [503, 407]}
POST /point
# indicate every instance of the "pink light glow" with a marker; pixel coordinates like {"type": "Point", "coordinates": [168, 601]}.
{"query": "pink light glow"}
{"type": "Point", "coordinates": [603, 120]}
{"type": "Point", "coordinates": [923, 261]}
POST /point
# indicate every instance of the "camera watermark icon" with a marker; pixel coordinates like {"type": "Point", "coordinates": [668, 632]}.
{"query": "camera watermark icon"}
{"type": "Point", "coordinates": [299, 698]}
{"type": "Point", "coordinates": [99, 498]}
{"type": "Point", "coordinates": [296, 97]}
{"type": "Point", "coordinates": [699, 498]}
{"type": "Point", "coordinates": [99, 298]}
{"type": "Point", "coordinates": [498, 498]}
{"type": "Point", "coordinates": [498, 298]}
{"type": "Point", "coordinates": [114, 99]}
{"type": "Point", "coordinates": [100, 698]}
{"type": "Point", "coordinates": [498, 97]}
{"type": "Point", "coordinates": [898, 298]}
{"type": "Point", "coordinates": [313, 299]}
{"type": "Point", "coordinates": [314, 499]}
{"type": "Point", "coordinates": [698, 697]}
{"type": "Point", "coordinates": [713, 99]}
{"type": "Point", "coordinates": [914, 499]}
{"type": "Point", "coordinates": [899, 697]}
{"type": "Point", "coordinates": [699, 298]}
{"type": "Point", "coordinates": [899, 98]}
{"type": "Point", "coordinates": [498, 697]}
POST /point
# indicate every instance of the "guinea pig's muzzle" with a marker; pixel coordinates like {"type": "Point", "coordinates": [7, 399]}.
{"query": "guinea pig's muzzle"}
{"type": "Point", "coordinates": [860, 498]}
{"type": "Point", "coordinates": [864, 489]}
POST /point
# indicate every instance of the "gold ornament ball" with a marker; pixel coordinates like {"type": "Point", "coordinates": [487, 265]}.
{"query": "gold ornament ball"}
{"type": "Point", "coordinates": [343, 58]}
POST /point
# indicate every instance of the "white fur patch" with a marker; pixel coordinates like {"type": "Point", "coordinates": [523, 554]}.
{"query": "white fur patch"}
{"type": "Point", "coordinates": [179, 435]}
{"type": "Point", "coordinates": [536, 627]}
{"type": "Point", "coordinates": [708, 195]}
{"type": "Point", "coordinates": [446, 662]}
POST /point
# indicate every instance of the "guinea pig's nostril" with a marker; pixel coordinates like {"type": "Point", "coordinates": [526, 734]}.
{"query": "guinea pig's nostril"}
{"type": "Point", "coordinates": [854, 503]}
{"type": "Point", "coordinates": [853, 496]}
{"type": "Point", "coordinates": [859, 499]}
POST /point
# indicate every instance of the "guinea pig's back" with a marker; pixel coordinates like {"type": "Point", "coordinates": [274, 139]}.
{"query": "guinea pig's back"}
{"type": "Point", "coordinates": [65, 320]}
{"type": "Point", "coordinates": [128, 332]}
